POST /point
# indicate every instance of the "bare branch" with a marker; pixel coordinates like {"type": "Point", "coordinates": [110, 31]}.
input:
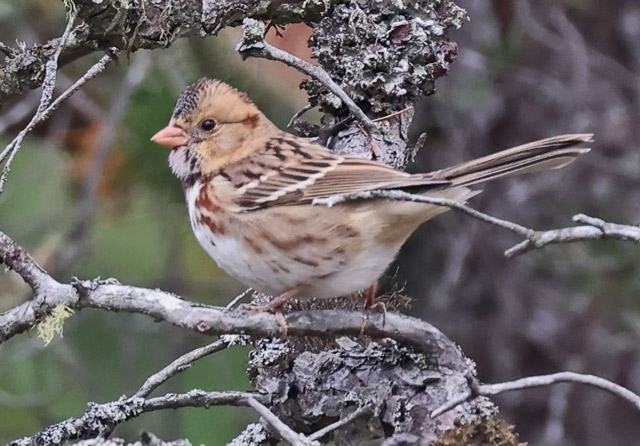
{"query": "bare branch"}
{"type": "Point", "coordinates": [12, 148]}
{"type": "Point", "coordinates": [48, 85]}
{"type": "Point", "coordinates": [184, 362]}
{"type": "Point", "coordinates": [405, 196]}
{"type": "Point", "coordinates": [338, 424]}
{"type": "Point", "coordinates": [298, 114]}
{"type": "Point", "coordinates": [254, 45]}
{"type": "Point", "coordinates": [592, 229]}
{"type": "Point", "coordinates": [288, 434]}
{"type": "Point", "coordinates": [562, 377]}
{"type": "Point", "coordinates": [201, 318]}
{"type": "Point", "coordinates": [474, 389]}
{"type": "Point", "coordinates": [237, 299]}
{"type": "Point", "coordinates": [102, 418]}
{"type": "Point", "coordinates": [595, 229]}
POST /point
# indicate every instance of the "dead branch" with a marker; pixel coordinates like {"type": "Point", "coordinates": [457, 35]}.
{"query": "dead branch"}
{"type": "Point", "coordinates": [44, 111]}
{"type": "Point", "coordinates": [288, 434]}
{"type": "Point", "coordinates": [593, 228]}
{"type": "Point", "coordinates": [102, 418]}
{"type": "Point", "coordinates": [476, 389]}
{"type": "Point", "coordinates": [105, 295]}
{"type": "Point", "coordinates": [254, 45]}
{"type": "Point", "coordinates": [185, 361]}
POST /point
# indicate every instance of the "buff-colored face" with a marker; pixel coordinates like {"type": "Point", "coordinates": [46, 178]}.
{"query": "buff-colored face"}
{"type": "Point", "coordinates": [209, 128]}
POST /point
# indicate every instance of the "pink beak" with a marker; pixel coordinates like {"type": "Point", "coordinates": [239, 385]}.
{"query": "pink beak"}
{"type": "Point", "coordinates": [171, 137]}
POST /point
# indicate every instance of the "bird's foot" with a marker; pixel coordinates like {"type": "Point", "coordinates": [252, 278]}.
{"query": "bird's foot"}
{"type": "Point", "coordinates": [373, 304]}
{"type": "Point", "coordinates": [275, 307]}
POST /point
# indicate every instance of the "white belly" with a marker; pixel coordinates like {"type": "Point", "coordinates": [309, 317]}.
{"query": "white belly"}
{"type": "Point", "coordinates": [275, 271]}
{"type": "Point", "coordinates": [361, 271]}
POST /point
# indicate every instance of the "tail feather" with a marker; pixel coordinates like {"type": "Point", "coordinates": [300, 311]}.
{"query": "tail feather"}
{"type": "Point", "coordinates": [550, 153]}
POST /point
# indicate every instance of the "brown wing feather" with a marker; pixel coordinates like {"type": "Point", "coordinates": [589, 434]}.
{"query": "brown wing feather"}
{"type": "Point", "coordinates": [295, 172]}
{"type": "Point", "coordinates": [292, 171]}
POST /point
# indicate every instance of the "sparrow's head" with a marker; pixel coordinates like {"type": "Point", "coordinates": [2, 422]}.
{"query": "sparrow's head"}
{"type": "Point", "coordinates": [209, 128]}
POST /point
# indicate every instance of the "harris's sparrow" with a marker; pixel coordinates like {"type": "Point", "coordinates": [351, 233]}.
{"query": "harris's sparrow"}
{"type": "Point", "coordinates": [250, 188]}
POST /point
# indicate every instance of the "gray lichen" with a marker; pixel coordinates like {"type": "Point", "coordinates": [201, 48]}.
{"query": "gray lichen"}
{"type": "Point", "coordinates": [253, 435]}
{"type": "Point", "coordinates": [401, 387]}
{"type": "Point", "coordinates": [146, 439]}
{"type": "Point", "coordinates": [384, 54]}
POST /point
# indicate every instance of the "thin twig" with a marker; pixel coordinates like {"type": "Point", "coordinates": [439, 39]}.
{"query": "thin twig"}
{"type": "Point", "coordinates": [184, 362]}
{"type": "Point", "coordinates": [338, 424]}
{"type": "Point", "coordinates": [288, 434]}
{"type": "Point", "coordinates": [595, 228]}
{"type": "Point", "coordinates": [391, 115]}
{"type": "Point", "coordinates": [12, 148]}
{"type": "Point", "coordinates": [405, 196]}
{"type": "Point", "coordinates": [530, 382]}
{"type": "Point", "coordinates": [562, 377]}
{"type": "Point", "coordinates": [297, 115]}
{"type": "Point", "coordinates": [254, 45]}
{"type": "Point", "coordinates": [48, 85]}
{"type": "Point", "coordinates": [237, 299]}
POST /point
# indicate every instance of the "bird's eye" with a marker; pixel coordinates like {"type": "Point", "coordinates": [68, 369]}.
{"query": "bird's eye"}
{"type": "Point", "coordinates": [207, 125]}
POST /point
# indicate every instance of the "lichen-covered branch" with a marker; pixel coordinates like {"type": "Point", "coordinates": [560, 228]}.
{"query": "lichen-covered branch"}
{"type": "Point", "coordinates": [102, 418]}
{"type": "Point", "coordinates": [105, 295]}
{"type": "Point", "coordinates": [432, 366]}
{"type": "Point", "coordinates": [254, 45]}
{"type": "Point", "coordinates": [144, 24]}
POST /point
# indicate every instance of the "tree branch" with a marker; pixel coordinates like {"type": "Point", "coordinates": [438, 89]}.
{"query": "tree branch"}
{"type": "Point", "coordinates": [48, 85]}
{"type": "Point", "coordinates": [44, 111]}
{"type": "Point", "coordinates": [594, 228]}
{"type": "Point", "coordinates": [185, 361]}
{"type": "Point", "coordinates": [475, 389]}
{"type": "Point", "coordinates": [144, 24]}
{"type": "Point", "coordinates": [201, 318]}
{"type": "Point", "coordinates": [254, 45]}
{"type": "Point", "coordinates": [338, 424]}
{"type": "Point", "coordinates": [102, 418]}
{"type": "Point", "coordinates": [288, 434]}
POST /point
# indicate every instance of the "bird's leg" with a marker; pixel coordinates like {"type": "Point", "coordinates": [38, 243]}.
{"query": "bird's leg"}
{"type": "Point", "coordinates": [371, 303]}
{"type": "Point", "coordinates": [275, 306]}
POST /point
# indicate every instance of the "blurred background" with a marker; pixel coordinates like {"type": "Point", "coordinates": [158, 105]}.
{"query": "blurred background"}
{"type": "Point", "coordinates": [89, 195]}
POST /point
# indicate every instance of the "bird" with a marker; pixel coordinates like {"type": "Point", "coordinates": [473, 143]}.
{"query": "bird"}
{"type": "Point", "coordinates": [252, 194]}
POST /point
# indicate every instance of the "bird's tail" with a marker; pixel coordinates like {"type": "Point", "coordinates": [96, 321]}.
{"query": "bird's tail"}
{"type": "Point", "coordinates": [550, 153]}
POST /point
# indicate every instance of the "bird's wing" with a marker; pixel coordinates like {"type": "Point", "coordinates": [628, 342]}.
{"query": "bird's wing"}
{"type": "Point", "coordinates": [291, 171]}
